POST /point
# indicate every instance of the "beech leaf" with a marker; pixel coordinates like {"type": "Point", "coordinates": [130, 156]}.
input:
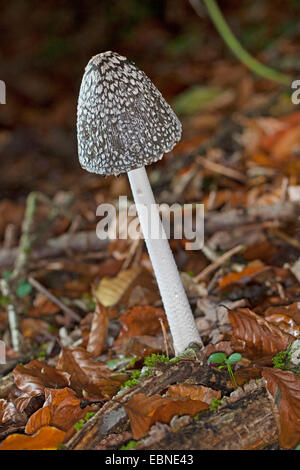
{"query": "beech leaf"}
{"type": "Point", "coordinates": [285, 388]}
{"type": "Point", "coordinates": [258, 336]}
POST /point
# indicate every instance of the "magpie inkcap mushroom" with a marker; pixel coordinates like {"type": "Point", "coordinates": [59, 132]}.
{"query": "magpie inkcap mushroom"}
{"type": "Point", "coordinates": [124, 124]}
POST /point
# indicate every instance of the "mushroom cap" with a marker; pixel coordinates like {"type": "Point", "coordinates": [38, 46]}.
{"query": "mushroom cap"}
{"type": "Point", "coordinates": [123, 122]}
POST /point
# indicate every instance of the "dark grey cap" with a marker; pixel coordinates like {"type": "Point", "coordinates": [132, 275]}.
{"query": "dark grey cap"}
{"type": "Point", "coordinates": [123, 122]}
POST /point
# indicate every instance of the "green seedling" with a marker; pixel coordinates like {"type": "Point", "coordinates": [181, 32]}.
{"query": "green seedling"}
{"type": "Point", "coordinates": [219, 357]}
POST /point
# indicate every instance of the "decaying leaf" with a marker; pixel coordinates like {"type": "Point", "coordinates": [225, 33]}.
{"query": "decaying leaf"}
{"type": "Point", "coordinates": [34, 377]}
{"type": "Point", "coordinates": [8, 411]}
{"type": "Point", "coordinates": [140, 346]}
{"type": "Point", "coordinates": [194, 392]}
{"type": "Point", "coordinates": [242, 277]}
{"type": "Point", "coordinates": [88, 376]}
{"type": "Point", "coordinates": [285, 388]}
{"type": "Point", "coordinates": [258, 337]}
{"type": "Point", "coordinates": [143, 411]}
{"type": "Point", "coordinates": [47, 438]}
{"type": "Point", "coordinates": [61, 410]}
{"type": "Point", "coordinates": [139, 321]}
{"type": "Point", "coordinates": [111, 289]}
{"type": "Point", "coordinates": [98, 331]}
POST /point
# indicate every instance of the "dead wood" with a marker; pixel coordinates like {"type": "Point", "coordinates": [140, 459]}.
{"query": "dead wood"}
{"type": "Point", "coordinates": [281, 211]}
{"type": "Point", "coordinates": [80, 242]}
{"type": "Point", "coordinates": [112, 416]}
{"type": "Point", "coordinates": [245, 423]}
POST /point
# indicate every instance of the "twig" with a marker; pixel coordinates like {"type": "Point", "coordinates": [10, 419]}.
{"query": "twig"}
{"type": "Point", "coordinates": [223, 170]}
{"type": "Point", "coordinates": [53, 298]}
{"type": "Point", "coordinates": [12, 315]}
{"type": "Point", "coordinates": [163, 329]}
{"type": "Point", "coordinates": [26, 238]}
{"type": "Point", "coordinates": [81, 242]}
{"type": "Point", "coordinates": [234, 45]}
{"type": "Point", "coordinates": [221, 260]}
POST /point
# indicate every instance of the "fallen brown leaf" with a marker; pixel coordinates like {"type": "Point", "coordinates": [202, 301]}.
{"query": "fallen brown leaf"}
{"type": "Point", "coordinates": [139, 321]}
{"type": "Point", "coordinates": [47, 438]}
{"type": "Point", "coordinates": [285, 388]}
{"type": "Point", "coordinates": [194, 392]}
{"type": "Point", "coordinates": [98, 331]}
{"type": "Point", "coordinates": [243, 276]}
{"type": "Point", "coordinates": [36, 375]}
{"type": "Point", "coordinates": [61, 410]}
{"type": "Point", "coordinates": [143, 411]}
{"type": "Point", "coordinates": [87, 376]}
{"type": "Point", "coordinates": [257, 336]}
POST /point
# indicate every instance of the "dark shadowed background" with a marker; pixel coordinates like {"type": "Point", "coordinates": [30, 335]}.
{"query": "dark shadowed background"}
{"type": "Point", "coordinates": [46, 45]}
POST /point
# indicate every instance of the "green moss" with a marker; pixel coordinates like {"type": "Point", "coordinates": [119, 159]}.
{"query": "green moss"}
{"type": "Point", "coordinates": [281, 359]}
{"type": "Point", "coordinates": [215, 404]}
{"type": "Point", "coordinates": [134, 380]}
{"type": "Point", "coordinates": [60, 446]}
{"type": "Point", "coordinates": [130, 445]}
{"type": "Point", "coordinates": [89, 415]}
{"type": "Point", "coordinates": [155, 359]}
{"type": "Point", "coordinates": [79, 425]}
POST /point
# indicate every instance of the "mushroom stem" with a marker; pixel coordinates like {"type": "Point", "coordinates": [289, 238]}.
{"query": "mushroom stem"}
{"type": "Point", "coordinates": [180, 317]}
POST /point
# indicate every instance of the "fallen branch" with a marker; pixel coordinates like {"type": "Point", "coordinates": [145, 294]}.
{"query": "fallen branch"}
{"type": "Point", "coordinates": [113, 415]}
{"type": "Point", "coordinates": [80, 242]}
{"type": "Point", "coordinates": [53, 298]}
{"type": "Point", "coordinates": [282, 211]}
{"type": "Point", "coordinates": [83, 242]}
{"type": "Point", "coordinates": [246, 423]}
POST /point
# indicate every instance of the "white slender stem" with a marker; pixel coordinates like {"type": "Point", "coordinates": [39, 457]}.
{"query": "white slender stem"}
{"type": "Point", "coordinates": [180, 317]}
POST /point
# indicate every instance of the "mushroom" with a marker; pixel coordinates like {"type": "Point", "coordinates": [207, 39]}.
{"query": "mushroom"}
{"type": "Point", "coordinates": [123, 124]}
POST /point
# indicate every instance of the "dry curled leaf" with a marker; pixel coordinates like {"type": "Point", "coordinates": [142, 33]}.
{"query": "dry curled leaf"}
{"type": "Point", "coordinates": [285, 388]}
{"type": "Point", "coordinates": [111, 289]}
{"type": "Point", "coordinates": [43, 306]}
{"type": "Point", "coordinates": [257, 336]}
{"type": "Point", "coordinates": [98, 331]}
{"type": "Point", "coordinates": [61, 410]}
{"type": "Point", "coordinates": [194, 392]}
{"type": "Point", "coordinates": [87, 376]}
{"type": "Point", "coordinates": [242, 277]}
{"type": "Point", "coordinates": [47, 438]}
{"type": "Point", "coordinates": [140, 321]}
{"type": "Point", "coordinates": [8, 411]}
{"type": "Point", "coordinates": [35, 376]}
{"type": "Point", "coordinates": [143, 411]}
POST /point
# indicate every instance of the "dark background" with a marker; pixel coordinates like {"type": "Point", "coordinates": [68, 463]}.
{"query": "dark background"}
{"type": "Point", "coordinates": [46, 45]}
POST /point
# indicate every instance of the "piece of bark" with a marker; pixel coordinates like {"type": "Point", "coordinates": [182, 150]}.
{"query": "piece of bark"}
{"type": "Point", "coordinates": [11, 427]}
{"type": "Point", "coordinates": [245, 424]}
{"type": "Point", "coordinates": [80, 242]}
{"type": "Point", "coordinates": [112, 416]}
{"type": "Point", "coordinates": [6, 384]}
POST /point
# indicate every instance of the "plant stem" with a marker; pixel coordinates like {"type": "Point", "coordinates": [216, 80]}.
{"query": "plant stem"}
{"type": "Point", "coordinates": [234, 45]}
{"type": "Point", "coordinates": [232, 376]}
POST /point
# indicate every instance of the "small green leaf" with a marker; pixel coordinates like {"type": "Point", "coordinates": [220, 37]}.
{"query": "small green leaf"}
{"type": "Point", "coordinates": [24, 288]}
{"type": "Point", "coordinates": [235, 357]}
{"type": "Point", "coordinates": [6, 274]}
{"type": "Point", "coordinates": [217, 358]}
